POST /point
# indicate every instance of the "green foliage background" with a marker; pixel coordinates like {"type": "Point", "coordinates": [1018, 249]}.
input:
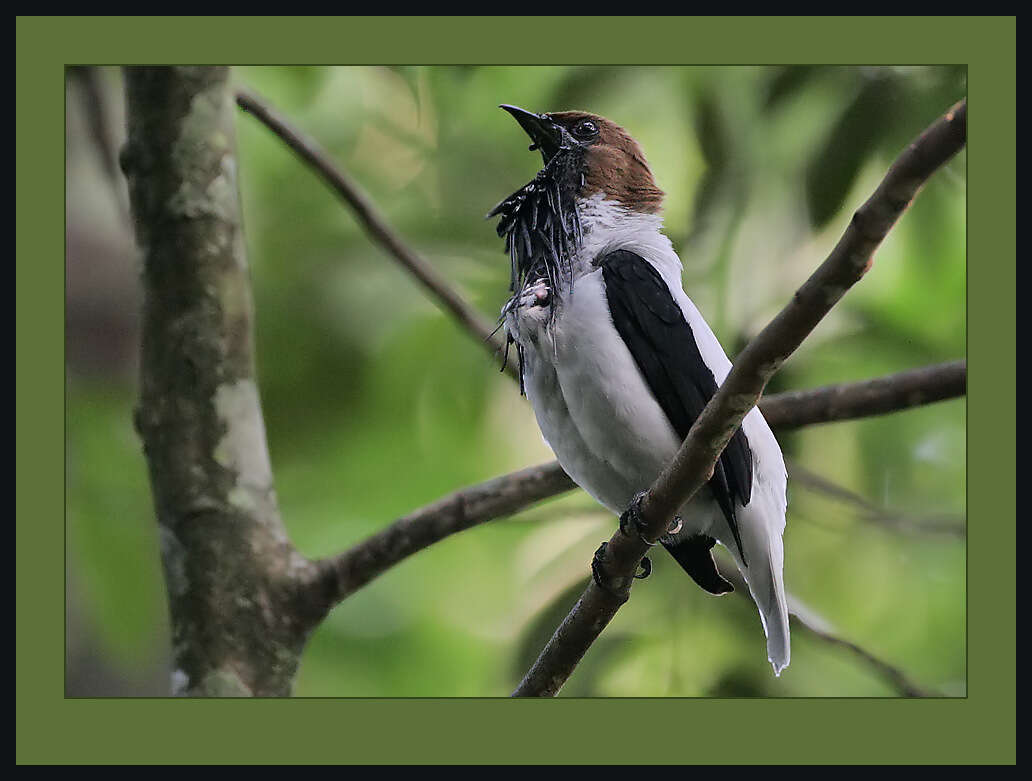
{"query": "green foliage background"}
{"type": "Point", "coordinates": [376, 403]}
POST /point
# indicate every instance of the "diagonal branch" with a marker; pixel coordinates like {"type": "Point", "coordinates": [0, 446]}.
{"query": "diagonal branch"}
{"type": "Point", "coordinates": [895, 677]}
{"type": "Point", "coordinates": [694, 462]}
{"type": "Point", "coordinates": [803, 618]}
{"type": "Point", "coordinates": [372, 221]}
{"type": "Point", "coordinates": [875, 513]}
{"type": "Point", "coordinates": [342, 575]}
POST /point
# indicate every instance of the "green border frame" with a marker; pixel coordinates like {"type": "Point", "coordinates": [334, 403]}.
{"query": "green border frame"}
{"type": "Point", "coordinates": [979, 728]}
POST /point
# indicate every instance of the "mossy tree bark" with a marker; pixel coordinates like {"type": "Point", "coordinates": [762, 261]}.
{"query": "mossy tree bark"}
{"type": "Point", "coordinates": [240, 596]}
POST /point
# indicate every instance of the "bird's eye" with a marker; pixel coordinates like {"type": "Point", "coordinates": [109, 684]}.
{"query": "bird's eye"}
{"type": "Point", "coordinates": [585, 130]}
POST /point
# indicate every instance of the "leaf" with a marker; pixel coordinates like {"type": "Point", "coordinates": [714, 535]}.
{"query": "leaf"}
{"type": "Point", "coordinates": [858, 131]}
{"type": "Point", "coordinates": [785, 83]}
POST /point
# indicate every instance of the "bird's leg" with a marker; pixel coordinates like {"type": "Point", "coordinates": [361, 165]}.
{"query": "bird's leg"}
{"type": "Point", "coordinates": [617, 587]}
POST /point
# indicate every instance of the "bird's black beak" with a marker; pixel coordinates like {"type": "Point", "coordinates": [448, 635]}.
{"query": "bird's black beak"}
{"type": "Point", "coordinates": [546, 134]}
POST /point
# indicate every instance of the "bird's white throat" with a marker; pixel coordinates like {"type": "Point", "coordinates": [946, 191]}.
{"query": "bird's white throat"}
{"type": "Point", "coordinates": [608, 226]}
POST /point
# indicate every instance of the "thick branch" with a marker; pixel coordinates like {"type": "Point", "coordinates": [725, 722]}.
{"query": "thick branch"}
{"type": "Point", "coordinates": [373, 222]}
{"type": "Point", "coordinates": [511, 493]}
{"type": "Point", "coordinates": [694, 462]}
{"type": "Point", "coordinates": [239, 616]}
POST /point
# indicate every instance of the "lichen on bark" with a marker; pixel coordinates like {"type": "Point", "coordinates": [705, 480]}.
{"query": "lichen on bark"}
{"type": "Point", "coordinates": [239, 606]}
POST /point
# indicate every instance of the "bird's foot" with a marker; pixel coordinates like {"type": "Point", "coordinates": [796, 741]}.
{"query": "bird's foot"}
{"type": "Point", "coordinates": [616, 586]}
{"type": "Point", "coordinates": [632, 524]}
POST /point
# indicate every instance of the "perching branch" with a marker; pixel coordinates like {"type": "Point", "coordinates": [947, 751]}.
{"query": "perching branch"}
{"type": "Point", "coordinates": [877, 396]}
{"type": "Point", "coordinates": [693, 464]}
{"type": "Point", "coordinates": [514, 492]}
{"type": "Point", "coordinates": [239, 602]}
{"type": "Point", "coordinates": [375, 225]}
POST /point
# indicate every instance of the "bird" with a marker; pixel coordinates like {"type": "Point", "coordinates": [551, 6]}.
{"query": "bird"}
{"type": "Point", "coordinates": [617, 362]}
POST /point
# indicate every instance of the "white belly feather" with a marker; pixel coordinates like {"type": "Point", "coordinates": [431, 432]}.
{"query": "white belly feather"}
{"type": "Point", "coordinates": [609, 433]}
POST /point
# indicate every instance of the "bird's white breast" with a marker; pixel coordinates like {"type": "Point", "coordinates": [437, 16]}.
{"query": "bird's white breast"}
{"type": "Point", "coordinates": [591, 402]}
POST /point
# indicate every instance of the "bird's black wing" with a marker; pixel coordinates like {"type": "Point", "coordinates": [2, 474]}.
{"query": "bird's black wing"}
{"type": "Point", "coordinates": [661, 341]}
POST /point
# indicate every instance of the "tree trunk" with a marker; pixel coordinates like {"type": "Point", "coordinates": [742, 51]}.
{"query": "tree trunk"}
{"type": "Point", "coordinates": [239, 603]}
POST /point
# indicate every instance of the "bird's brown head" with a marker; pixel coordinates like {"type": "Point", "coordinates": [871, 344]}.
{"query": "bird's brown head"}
{"type": "Point", "coordinates": [609, 160]}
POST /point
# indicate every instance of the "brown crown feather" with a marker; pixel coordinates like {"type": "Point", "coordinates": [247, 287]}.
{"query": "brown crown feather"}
{"type": "Point", "coordinates": [615, 165]}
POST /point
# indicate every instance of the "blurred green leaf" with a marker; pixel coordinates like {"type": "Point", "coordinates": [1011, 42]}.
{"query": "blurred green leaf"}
{"type": "Point", "coordinates": [854, 136]}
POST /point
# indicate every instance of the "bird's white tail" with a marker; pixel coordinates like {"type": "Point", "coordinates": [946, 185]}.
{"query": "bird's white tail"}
{"type": "Point", "coordinates": [764, 576]}
{"type": "Point", "coordinates": [761, 538]}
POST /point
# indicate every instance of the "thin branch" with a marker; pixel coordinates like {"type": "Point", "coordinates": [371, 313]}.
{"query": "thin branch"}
{"type": "Point", "coordinates": [877, 396]}
{"type": "Point", "coordinates": [803, 618]}
{"type": "Point", "coordinates": [95, 107]}
{"type": "Point", "coordinates": [876, 513]}
{"type": "Point", "coordinates": [344, 574]}
{"type": "Point", "coordinates": [375, 225]}
{"type": "Point", "coordinates": [895, 677]}
{"type": "Point", "coordinates": [518, 490]}
{"type": "Point", "coordinates": [693, 465]}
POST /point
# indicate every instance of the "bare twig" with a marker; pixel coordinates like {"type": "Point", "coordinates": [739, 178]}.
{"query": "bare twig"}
{"type": "Point", "coordinates": [694, 462]}
{"type": "Point", "coordinates": [896, 678]}
{"type": "Point", "coordinates": [373, 222]}
{"type": "Point", "coordinates": [804, 619]}
{"type": "Point", "coordinates": [95, 107]}
{"type": "Point", "coordinates": [875, 513]}
{"type": "Point", "coordinates": [870, 397]}
{"type": "Point", "coordinates": [343, 574]}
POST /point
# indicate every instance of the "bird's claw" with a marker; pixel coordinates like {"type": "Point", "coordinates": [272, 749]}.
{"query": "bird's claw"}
{"type": "Point", "coordinates": [616, 587]}
{"type": "Point", "coordinates": [632, 524]}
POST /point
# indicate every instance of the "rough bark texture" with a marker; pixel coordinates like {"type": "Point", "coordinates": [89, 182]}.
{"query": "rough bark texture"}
{"type": "Point", "coordinates": [239, 611]}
